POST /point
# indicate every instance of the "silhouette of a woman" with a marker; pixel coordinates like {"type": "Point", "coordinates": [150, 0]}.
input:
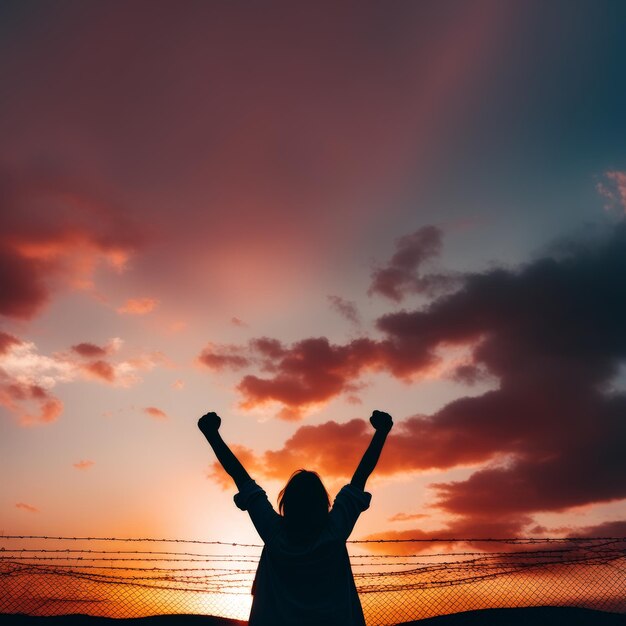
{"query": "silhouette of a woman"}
{"type": "Point", "coordinates": [304, 576]}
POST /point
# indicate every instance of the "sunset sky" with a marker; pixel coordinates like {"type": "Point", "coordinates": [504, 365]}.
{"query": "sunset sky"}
{"type": "Point", "coordinates": [293, 213]}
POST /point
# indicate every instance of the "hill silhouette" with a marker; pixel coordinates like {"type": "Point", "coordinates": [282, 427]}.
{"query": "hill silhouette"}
{"type": "Point", "coordinates": [90, 620]}
{"type": "Point", "coordinates": [536, 615]}
{"type": "Point", "coordinates": [523, 616]}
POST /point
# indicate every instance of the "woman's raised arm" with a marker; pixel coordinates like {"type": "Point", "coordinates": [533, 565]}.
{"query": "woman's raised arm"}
{"type": "Point", "coordinates": [209, 425]}
{"type": "Point", "coordinates": [382, 423]}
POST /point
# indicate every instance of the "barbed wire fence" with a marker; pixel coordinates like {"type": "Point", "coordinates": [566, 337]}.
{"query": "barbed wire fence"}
{"type": "Point", "coordinates": [397, 580]}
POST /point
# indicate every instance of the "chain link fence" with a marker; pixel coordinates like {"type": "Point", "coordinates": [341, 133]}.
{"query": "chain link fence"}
{"type": "Point", "coordinates": [398, 581]}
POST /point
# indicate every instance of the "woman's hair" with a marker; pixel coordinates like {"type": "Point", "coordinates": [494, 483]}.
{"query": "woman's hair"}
{"type": "Point", "coordinates": [304, 505]}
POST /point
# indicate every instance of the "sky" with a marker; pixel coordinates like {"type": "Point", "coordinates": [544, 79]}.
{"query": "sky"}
{"type": "Point", "coordinates": [293, 214]}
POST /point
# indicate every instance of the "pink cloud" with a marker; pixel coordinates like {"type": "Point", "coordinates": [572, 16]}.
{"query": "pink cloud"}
{"type": "Point", "coordinates": [39, 255]}
{"type": "Point", "coordinates": [120, 372]}
{"type": "Point", "coordinates": [28, 378]}
{"type": "Point", "coordinates": [266, 178]}
{"type": "Point", "coordinates": [156, 413]}
{"type": "Point", "coordinates": [613, 189]}
{"type": "Point", "coordinates": [26, 507]}
{"type": "Point", "coordinates": [32, 404]}
{"type": "Point", "coordinates": [26, 382]}
{"type": "Point", "coordinates": [6, 341]}
{"type": "Point", "coordinates": [84, 464]}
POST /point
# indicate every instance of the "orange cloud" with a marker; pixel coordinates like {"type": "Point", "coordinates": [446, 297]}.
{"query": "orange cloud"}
{"type": "Point", "coordinates": [332, 449]}
{"type": "Point", "coordinates": [50, 408]}
{"type": "Point", "coordinates": [248, 459]}
{"type": "Point", "coordinates": [613, 189]}
{"type": "Point", "coordinates": [26, 507]}
{"type": "Point", "coordinates": [21, 399]}
{"type": "Point", "coordinates": [83, 464]}
{"type": "Point", "coordinates": [405, 517]}
{"type": "Point", "coordinates": [39, 253]}
{"type": "Point", "coordinates": [138, 306]}
{"type": "Point", "coordinates": [153, 411]}
{"type": "Point", "coordinates": [100, 370]}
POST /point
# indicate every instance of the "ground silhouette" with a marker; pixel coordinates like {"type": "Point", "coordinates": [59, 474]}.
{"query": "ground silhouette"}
{"type": "Point", "coordinates": [524, 616]}
{"type": "Point", "coordinates": [535, 616]}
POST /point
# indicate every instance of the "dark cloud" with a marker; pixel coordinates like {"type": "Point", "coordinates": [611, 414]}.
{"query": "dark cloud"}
{"type": "Point", "coordinates": [23, 290]}
{"type": "Point", "coordinates": [89, 350]}
{"type": "Point", "coordinates": [553, 334]}
{"type": "Point", "coordinates": [403, 273]}
{"type": "Point", "coordinates": [469, 374]}
{"type": "Point", "coordinates": [313, 371]}
{"type": "Point", "coordinates": [309, 372]}
{"type": "Point", "coordinates": [267, 348]}
{"type": "Point", "coordinates": [550, 437]}
{"type": "Point", "coordinates": [345, 308]}
{"type": "Point", "coordinates": [616, 528]}
{"type": "Point", "coordinates": [219, 357]}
